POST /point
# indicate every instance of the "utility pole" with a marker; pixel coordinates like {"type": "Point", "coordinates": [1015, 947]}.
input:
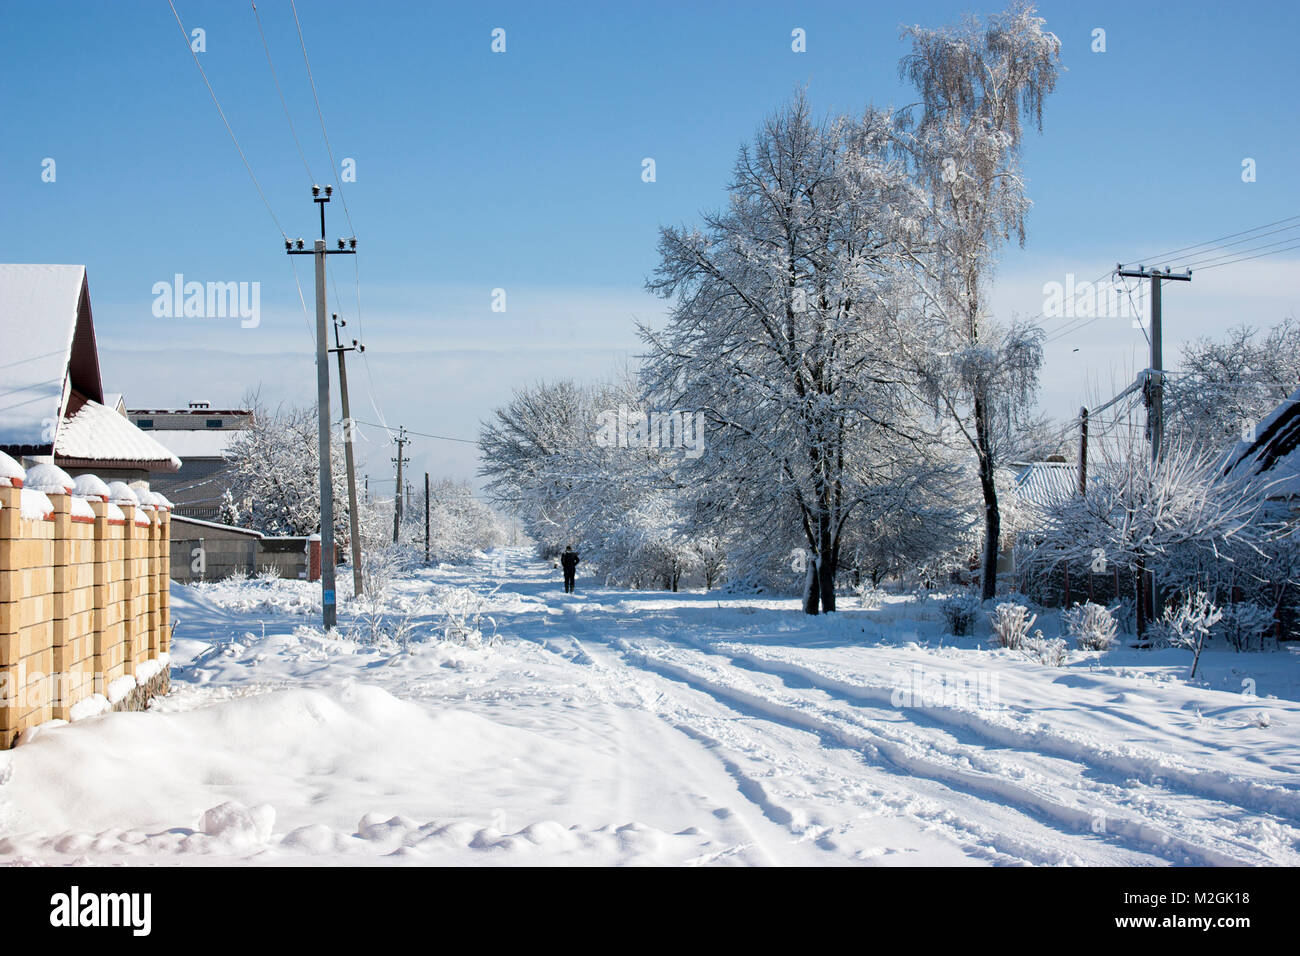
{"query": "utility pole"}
{"type": "Point", "coordinates": [1083, 451]}
{"type": "Point", "coordinates": [339, 349]}
{"type": "Point", "coordinates": [329, 609]}
{"type": "Point", "coordinates": [426, 517]}
{"type": "Point", "coordinates": [1156, 380]}
{"type": "Point", "coordinates": [398, 489]}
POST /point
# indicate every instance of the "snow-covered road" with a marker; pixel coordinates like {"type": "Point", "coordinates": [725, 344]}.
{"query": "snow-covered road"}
{"type": "Point", "coordinates": [614, 726]}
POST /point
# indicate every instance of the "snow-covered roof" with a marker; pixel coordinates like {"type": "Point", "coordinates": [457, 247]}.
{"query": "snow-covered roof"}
{"type": "Point", "coordinates": [1272, 459]}
{"type": "Point", "coordinates": [188, 443]}
{"type": "Point", "coordinates": [179, 520]}
{"type": "Point", "coordinates": [1043, 483]}
{"type": "Point", "coordinates": [38, 322]}
{"type": "Point", "coordinates": [95, 434]}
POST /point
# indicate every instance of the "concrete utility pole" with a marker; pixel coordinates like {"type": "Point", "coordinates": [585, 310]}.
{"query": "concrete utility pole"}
{"type": "Point", "coordinates": [1156, 383]}
{"type": "Point", "coordinates": [399, 489]}
{"type": "Point", "coordinates": [426, 517]}
{"type": "Point", "coordinates": [329, 609]}
{"type": "Point", "coordinates": [354, 517]}
{"type": "Point", "coordinates": [1083, 451]}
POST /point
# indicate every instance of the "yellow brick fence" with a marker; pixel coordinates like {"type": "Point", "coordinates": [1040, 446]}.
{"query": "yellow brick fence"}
{"type": "Point", "coordinates": [84, 622]}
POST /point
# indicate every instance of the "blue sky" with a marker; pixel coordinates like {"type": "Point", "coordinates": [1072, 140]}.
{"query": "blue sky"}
{"type": "Point", "coordinates": [522, 171]}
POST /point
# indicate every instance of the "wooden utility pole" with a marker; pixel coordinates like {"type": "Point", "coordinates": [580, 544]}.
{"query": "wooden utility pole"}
{"type": "Point", "coordinates": [399, 489]}
{"type": "Point", "coordinates": [1083, 451]}
{"type": "Point", "coordinates": [1156, 374]}
{"type": "Point", "coordinates": [329, 608]}
{"type": "Point", "coordinates": [354, 517]}
{"type": "Point", "coordinates": [426, 517]}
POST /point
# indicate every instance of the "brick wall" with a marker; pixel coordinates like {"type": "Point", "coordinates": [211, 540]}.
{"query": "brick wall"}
{"type": "Point", "coordinates": [83, 603]}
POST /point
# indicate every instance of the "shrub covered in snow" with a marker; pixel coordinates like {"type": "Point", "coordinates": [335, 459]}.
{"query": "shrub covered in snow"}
{"type": "Point", "coordinates": [1050, 651]}
{"type": "Point", "coordinates": [1011, 624]}
{"type": "Point", "coordinates": [464, 618]}
{"type": "Point", "coordinates": [1187, 621]}
{"type": "Point", "coordinates": [1092, 626]}
{"type": "Point", "coordinates": [960, 612]}
{"type": "Point", "coordinates": [1244, 624]}
{"type": "Point", "coordinates": [870, 596]}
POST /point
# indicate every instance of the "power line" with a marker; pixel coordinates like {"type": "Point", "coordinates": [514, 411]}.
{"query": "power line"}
{"type": "Point", "coordinates": [325, 135]}
{"type": "Point", "coordinates": [1208, 242]}
{"type": "Point", "coordinates": [233, 138]}
{"type": "Point", "coordinates": [1215, 252]}
{"type": "Point", "coordinates": [408, 431]}
{"type": "Point", "coordinates": [1219, 259]}
{"type": "Point", "coordinates": [293, 132]}
{"type": "Point", "coordinates": [1261, 255]}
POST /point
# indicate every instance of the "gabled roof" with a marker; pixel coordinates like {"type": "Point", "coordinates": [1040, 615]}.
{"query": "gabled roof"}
{"type": "Point", "coordinates": [1272, 458]}
{"type": "Point", "coordinates": [96, 436]}
{"type": "Point", "coordinates": [1043, 483]}
{"type": "Point", "coordinates": [47, 344]}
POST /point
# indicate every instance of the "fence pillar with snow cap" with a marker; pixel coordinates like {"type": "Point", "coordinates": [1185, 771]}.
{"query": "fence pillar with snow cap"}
{"type": "Point", "coordinates": [125, 499]}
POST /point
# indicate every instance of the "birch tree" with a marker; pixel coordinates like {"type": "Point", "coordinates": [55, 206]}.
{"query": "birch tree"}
{"type": "Point", "coordinates": [978, 83]}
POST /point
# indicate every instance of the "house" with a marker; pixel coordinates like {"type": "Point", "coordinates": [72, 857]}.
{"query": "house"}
{"type": "Point", "coordinates": [1026, 488]}
{"type": "Point", "coordinates": [201, 436]}
{"type": "Point", "coordinates": [1269, 459]}
{"type": "Point", "coordinates": [53, 408]}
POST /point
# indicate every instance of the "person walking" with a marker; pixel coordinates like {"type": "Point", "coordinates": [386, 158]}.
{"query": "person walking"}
{"type": "Point", "coordinates": [569, 561]}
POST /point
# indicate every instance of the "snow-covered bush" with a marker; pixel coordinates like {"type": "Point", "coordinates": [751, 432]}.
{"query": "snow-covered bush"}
{"type": "Point", "coordinates": [464, 618]}
{"type": "Point", "coordinates": [1188, 623]}
{"type": "Point", "coordinates": [1092, 626]}
{"type": "Point", "coordinates": [959, 613]}
{"type": "Point", "coordinates": [377, 624]}
{"type": "Point", "coordinates": [1052, 652]}
{"type": "Point", "coordinates": [1245, 623]}
{"type": "Point", "coordinates": [1011, 624]}
{"type": "Point", "coordinates": [269, 574]}
{"type": "Point", "coordinates": [870, 596]}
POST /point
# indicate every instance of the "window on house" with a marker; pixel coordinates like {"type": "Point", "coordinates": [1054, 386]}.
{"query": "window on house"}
{"type": "Point", "coordinates": [214, 422]}
{"type": "Point", "coordinates": [144, 423]}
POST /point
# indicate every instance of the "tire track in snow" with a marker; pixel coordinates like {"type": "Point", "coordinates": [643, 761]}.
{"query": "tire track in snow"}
{"type": "Point", "coordinates": [877, 744]}
{"type": "Point", "coordinates": [1247, 795]}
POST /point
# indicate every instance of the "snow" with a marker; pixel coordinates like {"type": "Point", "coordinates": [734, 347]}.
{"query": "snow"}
{"type": "Point", "coordinates": [92, 706]}
{"type": "Point", "coordinates": [644, 727]}
{"type": "Point", "coordinates": [35, 505]}
{"type": "Point", "coordinates": [50, 479]}
{"type": "Point", "coordinates": [38, 318]}
{"type": "Point", "coordinates": [1272, 457]}
{"type": "Point", "coordinates": [80, 508]}
{"type": "Point", "coordinates": [97, 433]}
{"type": "Point", "coordinates": [91, 486]}
{"type": "Point", "coordinates": [10, 471]}
{"type": "Point", "coordinates": [120, 493]}
{"type": "Point", "coordinates": [119, 688]}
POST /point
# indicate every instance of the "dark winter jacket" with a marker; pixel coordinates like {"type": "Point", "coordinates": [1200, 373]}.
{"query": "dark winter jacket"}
{"type": "Point", "coordinates": [569, 559]}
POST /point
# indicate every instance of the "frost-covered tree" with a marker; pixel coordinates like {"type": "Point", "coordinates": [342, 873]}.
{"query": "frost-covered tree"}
{"type": "Point", "coordinates": [781, 335]}
{"type": "Point", "coordinates": [274, 474]}
{"type": "Point", "coordinates": [617, 502]}
{"type": "Point", "coordinates": [977, 83]}
{"type": "Point", "coordinates": [460, 525]}
{"type": "Point", "coordinates": [1233, 382]}
{"type": "Point", "coordinates": [1164, 517]}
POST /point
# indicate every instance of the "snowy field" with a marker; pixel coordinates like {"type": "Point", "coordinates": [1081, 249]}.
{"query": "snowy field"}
{"type": "Point", "coordinates": [629, 727]}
